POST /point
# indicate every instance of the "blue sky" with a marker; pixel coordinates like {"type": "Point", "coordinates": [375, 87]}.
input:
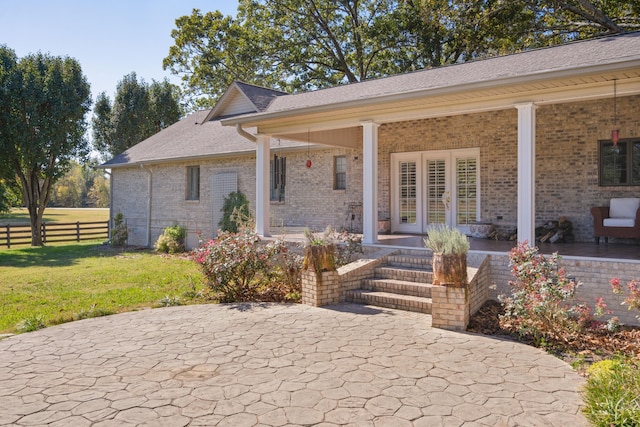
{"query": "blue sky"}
{"type": "Point", "coordinates": [108, 38]}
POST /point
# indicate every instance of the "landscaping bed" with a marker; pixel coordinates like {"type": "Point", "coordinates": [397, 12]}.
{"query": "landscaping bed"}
{"type": "Point", "coordinates": [579, 349]}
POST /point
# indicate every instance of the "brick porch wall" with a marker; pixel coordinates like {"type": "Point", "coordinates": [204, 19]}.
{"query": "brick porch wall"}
{"type": "Point", "coordinates": [594, 274]}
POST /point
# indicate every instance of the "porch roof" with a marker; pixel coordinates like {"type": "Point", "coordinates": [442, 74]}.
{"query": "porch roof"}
{"type": "Point", "coordinates": [531, 76]}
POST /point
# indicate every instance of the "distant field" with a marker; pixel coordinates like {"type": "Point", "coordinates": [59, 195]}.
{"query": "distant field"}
{"type": "Point", "coordinates": [21, 215]}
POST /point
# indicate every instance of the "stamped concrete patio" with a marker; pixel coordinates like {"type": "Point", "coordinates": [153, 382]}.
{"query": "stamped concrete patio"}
{"type": "Point", "coordinates": [278, 365]}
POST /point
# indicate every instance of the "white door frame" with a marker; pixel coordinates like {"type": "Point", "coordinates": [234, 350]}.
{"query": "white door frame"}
{"type": "Point", "coordinates": [420, 224]}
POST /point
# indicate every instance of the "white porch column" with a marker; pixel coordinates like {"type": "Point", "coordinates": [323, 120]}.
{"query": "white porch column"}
{"type": "Point", "coordinates": [526, 172]}
{"type": "Point", "coordinates": [370, 182]}
{"type": "Point", "coordinates": [263, 155]}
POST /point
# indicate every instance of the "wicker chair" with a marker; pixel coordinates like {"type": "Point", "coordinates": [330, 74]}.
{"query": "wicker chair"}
{"type": "Point", "coordinates": [621, 219]}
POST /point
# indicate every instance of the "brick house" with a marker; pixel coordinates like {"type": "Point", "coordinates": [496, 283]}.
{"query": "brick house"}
{"type": "Point", "coordinates": [515, 140]}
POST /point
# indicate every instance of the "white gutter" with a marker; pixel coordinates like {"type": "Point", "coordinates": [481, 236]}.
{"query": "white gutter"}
{"type": "Point", "coordinates": [245, 134]}
{"type": "Point", "coordinates": [108, 172]}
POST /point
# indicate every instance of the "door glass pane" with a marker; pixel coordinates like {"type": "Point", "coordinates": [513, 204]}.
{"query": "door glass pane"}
{"type": "Point", "coordinates": [436, 186]}
{"type": "Point", "coordinates": [408, 195]}
{"type": "Point", "coordinates": [466, 190]}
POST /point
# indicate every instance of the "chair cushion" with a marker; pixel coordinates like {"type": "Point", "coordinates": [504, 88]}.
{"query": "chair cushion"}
{"type": "Point", "coordinates": [619, 222]}
{"type": "Point", "coordinates": [624, 208]}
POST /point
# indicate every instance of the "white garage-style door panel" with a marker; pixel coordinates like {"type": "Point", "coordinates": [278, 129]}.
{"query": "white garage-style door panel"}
{"type": "Point", "coordinates": [434, 187]}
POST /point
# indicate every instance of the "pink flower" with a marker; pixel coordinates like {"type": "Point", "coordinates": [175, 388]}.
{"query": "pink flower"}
{"type": "Point", "coordinates": [615, 285]}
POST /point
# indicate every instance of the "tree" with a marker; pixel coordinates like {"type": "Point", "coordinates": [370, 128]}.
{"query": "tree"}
{"type": "Point", "coordinates": [139, 110]}
{"type": "Point", "coordinates": [99, 192]}
{"type": "Point", "coordinates": [308, 44]}
{"type": "Point", "coordinates": [42, 124]}
{"type": "Point", "coordinates": [9, 195]}
{"type": "Point", "coordinates": [71, 189]}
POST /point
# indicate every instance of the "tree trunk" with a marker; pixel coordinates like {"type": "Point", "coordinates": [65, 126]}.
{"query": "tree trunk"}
{"type": "Point", "coordinates": [450, 269]}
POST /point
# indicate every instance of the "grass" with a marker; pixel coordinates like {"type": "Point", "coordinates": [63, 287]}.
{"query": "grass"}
{"type": "Point", "coordinates": [56, 284]}
{"type": "Point", "coordinates": [21, 215]}
{"type": "Point", "coordinates": [612, 393]}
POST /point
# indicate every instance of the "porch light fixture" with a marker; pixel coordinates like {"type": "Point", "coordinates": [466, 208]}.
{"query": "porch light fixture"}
{"type": "Point", "coordinates": [615, 132]}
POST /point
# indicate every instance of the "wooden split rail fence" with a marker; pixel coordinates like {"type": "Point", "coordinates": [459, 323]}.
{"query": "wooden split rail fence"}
{"type": "Point", "coordinates": [20, 234]}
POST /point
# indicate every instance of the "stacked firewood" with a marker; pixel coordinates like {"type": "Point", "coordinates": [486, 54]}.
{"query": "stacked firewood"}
{"type": "Point", "coordinates": [511, 234]}
{"type": "Point", "coordinates": [556, 232]}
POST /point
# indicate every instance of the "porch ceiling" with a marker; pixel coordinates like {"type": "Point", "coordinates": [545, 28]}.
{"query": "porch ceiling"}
{"type": "Point", "coordinates": [350, 137]}
{"type": "Point", "coordinates": [340, 124]}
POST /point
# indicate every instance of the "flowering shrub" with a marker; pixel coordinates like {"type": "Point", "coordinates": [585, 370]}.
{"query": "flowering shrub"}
{"type": "Point", "coordinates": [633, 296]}
{"type": "Point", "coordinates": [538, 304]}
{"type": "Point", "coordinates": [241, 267]}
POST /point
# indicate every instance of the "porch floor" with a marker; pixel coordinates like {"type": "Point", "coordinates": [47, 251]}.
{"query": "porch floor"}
{"type": "Point", "coordinates": [586, 250]}
{"type": "Point", "coordinates": [614, 251]}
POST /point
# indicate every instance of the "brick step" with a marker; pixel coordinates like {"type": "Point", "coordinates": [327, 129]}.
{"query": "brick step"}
{"type": "Point", "coordinates": [410, 261]}
{"type": "Point", "coordinates": [395, 286]}
{"type": "Point", "coordinates": [418, 275]}
{"type": "Point", "coordinates": [390, 300]}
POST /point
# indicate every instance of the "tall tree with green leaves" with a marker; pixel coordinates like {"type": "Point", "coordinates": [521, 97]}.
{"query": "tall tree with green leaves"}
{"type": "Point", "coordinates": [44, 100]}
{"type": "Point", "coordinates": [288, 44]}
{"type": "Point", "coordinates": [308, 44]}
{"type": "Point", "coordinates": [138, 111]}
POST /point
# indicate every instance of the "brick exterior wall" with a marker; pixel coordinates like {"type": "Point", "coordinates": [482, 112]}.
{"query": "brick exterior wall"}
{"type": "Point", "coordinates": [310, 199]}
{"type": "Point", "coordinates": [566, 157]}
{"type": "Point", "coordinates": [566, 183]}
{"type": "Point", "coordinates": [594, 275]}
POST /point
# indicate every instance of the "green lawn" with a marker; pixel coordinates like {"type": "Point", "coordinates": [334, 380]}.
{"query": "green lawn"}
{"type": "Point", "coordinates": [21, 215]}
{"type": "Point", "coordinates": [62, 283]}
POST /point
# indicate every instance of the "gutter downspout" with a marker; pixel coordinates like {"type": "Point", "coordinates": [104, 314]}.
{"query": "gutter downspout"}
{"type": "Point", "coordinates": [149, 199]}
{"type": "Point", "coordinates": [245, 134]}
{"type": "Point", "coordinates": [110, 204]}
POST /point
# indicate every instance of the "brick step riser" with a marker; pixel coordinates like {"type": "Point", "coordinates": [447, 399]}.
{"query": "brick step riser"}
{"type": "Point", "coordinates": [409, 276]}
{"type": "Point", "coordinates": [388, 302]}
{"type": "Point", "coordinates": [416, 290]}
{"type": "Point", "coordinates": [409, 262]}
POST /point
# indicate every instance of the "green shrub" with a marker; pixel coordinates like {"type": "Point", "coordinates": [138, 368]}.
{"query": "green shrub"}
{"type": "Point", "coordinates": [612, 393]}
{"type": "Point", "coordinates": [235, 213]}
{"type": "Point", "coordinates": [330, 250]}
{"type": "Point", "coordinates": [119, 232]}
{"type": "Point", "coordinates": [241, 267]}
{"type": "Point", "coordinates": [172, 240]}
{"type": "Point", "coordinates": [442, 239]}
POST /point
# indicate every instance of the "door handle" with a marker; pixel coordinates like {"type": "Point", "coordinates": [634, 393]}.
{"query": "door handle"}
{"type": "Point", "coordinates": [446, 199]}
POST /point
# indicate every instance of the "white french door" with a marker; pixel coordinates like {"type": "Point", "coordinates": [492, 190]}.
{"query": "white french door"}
{"type": "Point", "coordinates": [434, 187]}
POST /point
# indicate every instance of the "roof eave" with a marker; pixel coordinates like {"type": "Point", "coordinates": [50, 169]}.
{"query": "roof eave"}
{"type": "Point", "coordinates": [254, 119]}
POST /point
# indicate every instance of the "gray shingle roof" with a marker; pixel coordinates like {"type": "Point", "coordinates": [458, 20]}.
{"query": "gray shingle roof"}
{"type": "Point", "coordinates": [569, 57]}
{"type": "Point", "coordinates": [189, 139]}
{"type": "Point", "coordinates": [261, 97]}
